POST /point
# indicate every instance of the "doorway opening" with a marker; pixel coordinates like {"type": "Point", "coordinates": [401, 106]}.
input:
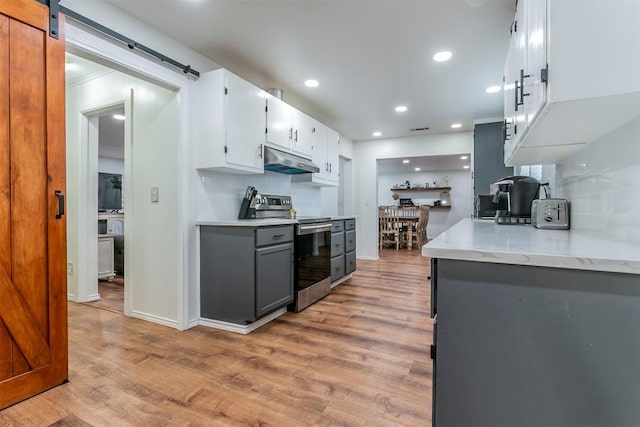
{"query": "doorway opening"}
{"type": "Point", "coordinates": [111, 213]}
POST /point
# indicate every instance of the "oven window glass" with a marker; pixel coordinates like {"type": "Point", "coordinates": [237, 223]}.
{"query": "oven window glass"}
{"type": "Point", "coordinates": [314, 258]}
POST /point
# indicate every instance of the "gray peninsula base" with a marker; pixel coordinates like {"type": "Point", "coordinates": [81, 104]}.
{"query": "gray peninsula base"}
{"type": "Point", "coordinates": [535, 346]}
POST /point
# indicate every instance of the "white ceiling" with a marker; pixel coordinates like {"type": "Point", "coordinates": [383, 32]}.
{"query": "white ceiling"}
{"type": "Point", "coordinates": [425, 163]}
{"type": "Point", "coordinates": [369, 55]}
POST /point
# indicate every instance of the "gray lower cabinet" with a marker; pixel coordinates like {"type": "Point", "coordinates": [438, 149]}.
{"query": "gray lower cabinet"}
{"type": "Point", "coordinates": [343, 247]}
{"type": "Point", "coordinates": [245, 272]}
{"type": "Point", "coordinates": [534, 346]}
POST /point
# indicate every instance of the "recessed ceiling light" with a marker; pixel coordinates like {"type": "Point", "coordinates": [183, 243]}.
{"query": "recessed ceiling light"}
{"type": "Point", "coordinates": [69, 66]}
{"type": "Point", "coordinates": [405, 161]}
{"type": "Point", "coordinates": [417, 169]}
{"type": "Point", "coordinates": [456, 125]}
{"type": "Point", "coordinates": [119, 117]}
{"type": "Point", "coordinates": [464, 157]}
{"type": "Point", "coordinates": [493, 89]}
{"type": "Point", "coordinates": [466, 166]}
{"type": "Point", "coordinates": [377, 134]}
{"type": "Point", "coordinates": [445, 55]}
{"type": "Point", "coordinates": [401, 108]}
{"type": "Point", "coordinates": [311, 83]}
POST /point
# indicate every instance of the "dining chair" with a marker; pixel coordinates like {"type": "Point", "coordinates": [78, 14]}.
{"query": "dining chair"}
{"type": "Point", "coordinates": [388, 230]}
{"type": "Point", "coordinates": [421, 226]}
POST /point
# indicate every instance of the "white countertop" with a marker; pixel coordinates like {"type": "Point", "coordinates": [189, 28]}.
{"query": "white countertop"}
{"type": "Point", "coordinates": [485, 241]}
{"type": "Point", "coordinates": [249, 222]}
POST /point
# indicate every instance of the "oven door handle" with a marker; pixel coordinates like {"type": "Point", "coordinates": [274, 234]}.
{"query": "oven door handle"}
{"type": "Point", "coordinates": [309, 229]}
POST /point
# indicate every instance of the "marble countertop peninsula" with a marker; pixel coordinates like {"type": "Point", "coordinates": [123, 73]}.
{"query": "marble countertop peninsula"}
{"type": "Point", "coordinates": [485, 241]}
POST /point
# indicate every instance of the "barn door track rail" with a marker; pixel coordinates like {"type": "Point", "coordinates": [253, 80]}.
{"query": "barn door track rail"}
{"type": "Point", "coordinates": [55, 8]}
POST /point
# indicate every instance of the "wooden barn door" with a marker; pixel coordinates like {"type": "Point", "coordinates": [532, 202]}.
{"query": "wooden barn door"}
{"type": "Point", "coordinates": [33, 295]}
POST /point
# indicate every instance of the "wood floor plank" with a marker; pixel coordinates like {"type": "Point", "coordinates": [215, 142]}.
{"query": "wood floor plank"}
{"type": "Point", "coordinates": [359, 357]}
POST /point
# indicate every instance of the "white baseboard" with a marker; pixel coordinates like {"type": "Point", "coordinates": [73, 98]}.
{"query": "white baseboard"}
{"type": "Point", "coordinates": [155, 319]}
{"type": "Point", "coordinates": [242, 329]}
{"type": "Point", "coordinates": [369, 258]}
{"type": "Point", "coordinates": [192, 323]}
{"type": "Point", "coordinates": [93, 297]}
{"type": "Point", "coordinates": [71, 297]}
{"type": "Point", "coordinates": [339, 281]}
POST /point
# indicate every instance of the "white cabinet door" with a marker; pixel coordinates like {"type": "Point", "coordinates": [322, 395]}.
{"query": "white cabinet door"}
{"type": "Point", "coordinates": [510, 93]}
{"type": "Point", "coordinates": [319, 154]}
{"type": "Point", "coordinates": [227, 123]}
{"type": "Point", "coordinates": [536, 61]}
{"type": "Point", "coordinates": [304, 128]}
{"type": "Point", "coordinates": [333, 153]}
{"type": "Point", "coordinates": [105, 257]}
{"type": "Point", "coordinates": [245, 122]}
{"type": "Point", "coordinates": [279, 123]}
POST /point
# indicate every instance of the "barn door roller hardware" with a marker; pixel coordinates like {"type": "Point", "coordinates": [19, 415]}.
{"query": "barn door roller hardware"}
{"type": "Point", "coordinates": [55, 8]}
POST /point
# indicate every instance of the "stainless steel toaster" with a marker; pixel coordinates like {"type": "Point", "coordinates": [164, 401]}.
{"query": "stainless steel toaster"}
{"type": "Point", "coordinates": [550, 213]}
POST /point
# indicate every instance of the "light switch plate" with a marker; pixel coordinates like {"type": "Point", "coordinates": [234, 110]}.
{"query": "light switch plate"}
{"type": "Point", "coordinates": [154, 194]}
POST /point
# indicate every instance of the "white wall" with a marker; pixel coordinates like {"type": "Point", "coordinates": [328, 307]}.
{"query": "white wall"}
{"type": "Point", "coordinates": [109, 165]}
{"type": "Point", "coordinates": [152, 243]}
{"type": "Point", "coordinates": [366, 155]}
{"type": "Point", "coordinates": [602, 183]}
{"type": "Point", "coordinates": [439, 219]}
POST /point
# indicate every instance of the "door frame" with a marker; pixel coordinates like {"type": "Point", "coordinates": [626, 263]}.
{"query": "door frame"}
{"type": "Point", "coordinates": [87, 44]}
{"type": "Point", "coordinates": [88, 198]}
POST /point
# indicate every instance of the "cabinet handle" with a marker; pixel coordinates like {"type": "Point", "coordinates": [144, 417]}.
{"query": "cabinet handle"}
{"type": "Point", "coordinates": [60, 197]}
{"type": "Point", "coordinates": [522, 94]}
{"type": "Point", "coordinates": [515, 92]}
{"type": "Point", "coordinates": [260, 151]}
{"type": "Point", "coordinates": [330, 167]}
{"type": "Point", "coordinates": [278, 236]}
{"type": "Point", "coordinates": [290, 133]}
{"type": "Point", "coordinates": [326, 167]}
{"type": "Point", "coordinates": [295, 138]}
{"type": "Point", "coordinates": [505, 129]}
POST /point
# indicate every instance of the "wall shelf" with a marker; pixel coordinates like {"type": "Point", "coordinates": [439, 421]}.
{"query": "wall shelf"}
{"type": "Point", "coordinates": [422, 189]}
{"type": "Point", "coordinates": [440, 207]}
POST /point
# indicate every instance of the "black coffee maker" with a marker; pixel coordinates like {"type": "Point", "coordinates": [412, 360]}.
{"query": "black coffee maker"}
{"type": "Point", "coordinates": [520, 192]}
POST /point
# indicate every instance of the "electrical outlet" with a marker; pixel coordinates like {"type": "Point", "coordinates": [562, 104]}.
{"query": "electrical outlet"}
{"type": "Point", "coordinates": [154, 194]}
{"type": "Point", "coordinates": [70, 269]}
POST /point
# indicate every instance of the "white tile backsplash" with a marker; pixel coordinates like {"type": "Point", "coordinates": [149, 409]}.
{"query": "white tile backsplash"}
{"type": "Point", "coordinates": [219, 195]}
{"type": "Point", "coordinates": [602, 183]}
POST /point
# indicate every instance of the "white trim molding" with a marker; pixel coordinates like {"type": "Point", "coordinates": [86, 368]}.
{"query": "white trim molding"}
{"type": "Point", "coordinates": [242, 329]}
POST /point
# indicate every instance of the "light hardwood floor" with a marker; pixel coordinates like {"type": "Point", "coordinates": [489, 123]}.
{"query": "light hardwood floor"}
{"type": "Point", "coordinates": [359, 357]}
{"type": "Point", "coordinates": [111, 295]}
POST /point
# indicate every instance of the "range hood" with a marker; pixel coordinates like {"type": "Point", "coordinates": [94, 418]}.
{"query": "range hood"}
{"type": "Point", "coordinates": [287, 163]}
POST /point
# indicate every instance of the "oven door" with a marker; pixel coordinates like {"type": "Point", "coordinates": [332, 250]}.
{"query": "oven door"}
{"type": "Point", "coordinates": [313, 254]}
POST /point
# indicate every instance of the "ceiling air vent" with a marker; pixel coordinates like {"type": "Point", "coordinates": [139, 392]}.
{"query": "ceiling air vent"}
{"type": "Point", "coordinates": [418, 129]}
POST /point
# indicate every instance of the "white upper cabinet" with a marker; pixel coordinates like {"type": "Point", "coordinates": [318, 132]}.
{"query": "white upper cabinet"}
{"type": "Point", "coordinates": [289, 129]}
{"type": "Point", "coordinates": [303, 134]}
{"type": "Point", "coordinates": [326, 151]}
{"type": "Point", "coordinates": [227, 123]}
{"type": "Point", "coordinates": [279, 123]}
{"type": "Point", "coordinates": [574, 67]}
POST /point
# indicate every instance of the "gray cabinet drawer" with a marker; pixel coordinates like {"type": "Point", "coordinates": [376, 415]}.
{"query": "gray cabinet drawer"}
{"type": "Point", "coordinates": [337, 244]}
{"type": "Point", "coordinates": [337, 268]}
{"type": "Point", "coordinates": [349, 224]}
{"type": "Point", "coordinates": [273, 235]}
{"type": "Point", "coordinates": [350, 241]}
{"type": "Point", "coordinates": [350, 264]}
{"type": "Point", "coordinates": [337, 226]}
